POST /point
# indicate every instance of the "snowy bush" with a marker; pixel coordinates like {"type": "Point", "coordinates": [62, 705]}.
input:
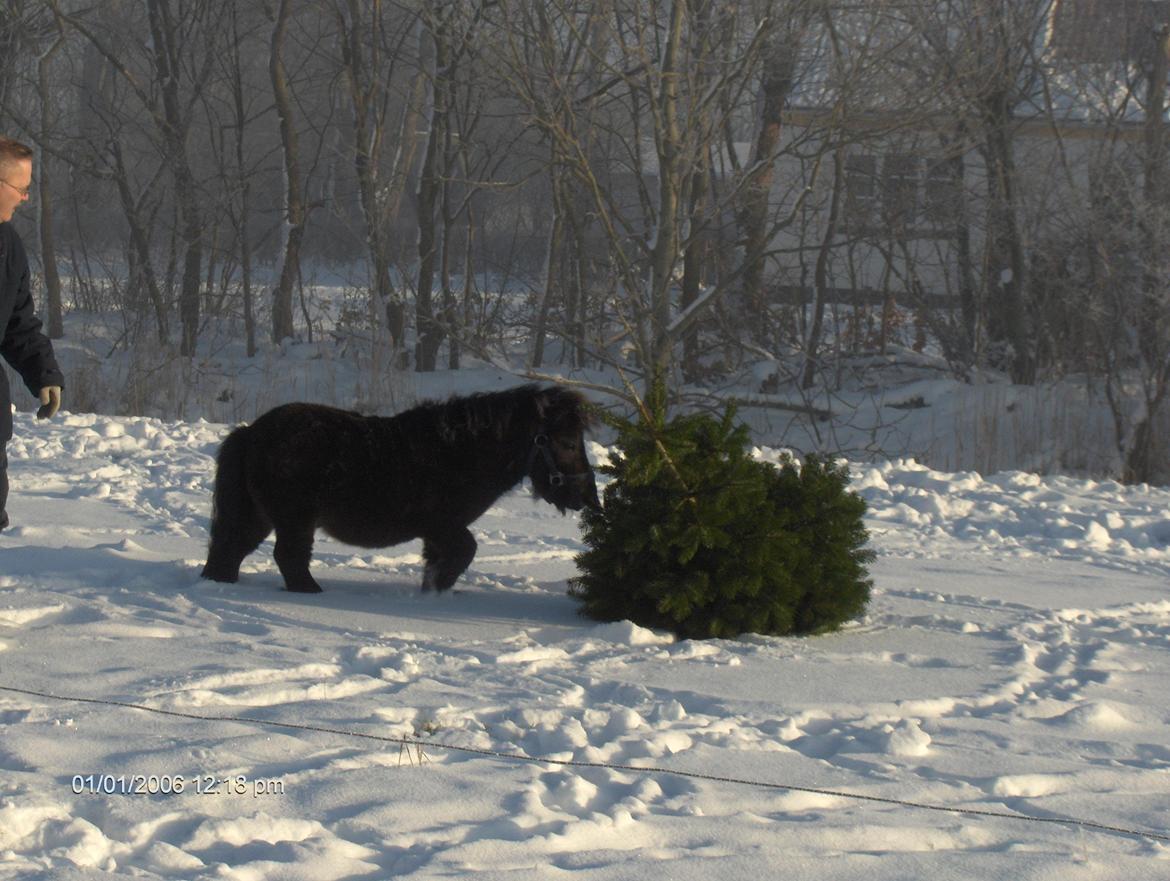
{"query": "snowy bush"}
{"type": "Point", "coordinates": [699, 538]}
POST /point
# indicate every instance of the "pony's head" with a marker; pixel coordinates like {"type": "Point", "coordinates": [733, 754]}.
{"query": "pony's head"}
{"type": "Point", "coordinates": [557, 464]}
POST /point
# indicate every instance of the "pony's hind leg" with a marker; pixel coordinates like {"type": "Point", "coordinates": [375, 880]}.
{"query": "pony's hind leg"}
{"type": "Point", "coordinates": [229, 546]}
{"type": "Point", "coordinates": [238, 524]}
{"type": "Point", "coordinates": [294, 549]}
{"type": "Point", "coordinates": [447, 557]}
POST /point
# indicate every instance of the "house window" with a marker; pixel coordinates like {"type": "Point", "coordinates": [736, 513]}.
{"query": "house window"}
{"type": "Point", "coordinates": [861, 202]}
{"type": "Point", "coordinates": [900, 178]}
{"type": "Point", "coordinates": [941, 191]}
{"type": "Point", "coordinates": [899, 195]}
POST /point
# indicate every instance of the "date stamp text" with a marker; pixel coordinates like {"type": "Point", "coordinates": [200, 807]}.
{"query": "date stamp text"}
{"type": "Point", "coordinates": [176, 784]}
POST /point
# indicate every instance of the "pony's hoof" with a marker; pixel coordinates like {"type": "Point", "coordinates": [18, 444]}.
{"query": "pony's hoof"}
{"type": "Point", "coordinates": [312, 587]}
{"type": "Point", "coordinates": [433, 580]}
{"type": "Point", "coordinates": [218, 575]}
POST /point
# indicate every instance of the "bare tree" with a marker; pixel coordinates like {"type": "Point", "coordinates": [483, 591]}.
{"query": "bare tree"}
{"type": "Point", "coordinates": [13, 19]}
{"type": "Point", "coordinates": [446, 42]}
{"type": "Point", "coordinates": [371, 41]}
{"type": "Point", "coordinates": [1154, 312]}
{"type": "Point", "coordinates": [178, 57]}
{"type": "Point", "coordinates": [239, 179]}
{"type": "Point", "coordinates": [988, 52]}
{"type": "Point", "coordinates": [662, 113]}
{"type": "Point", "coordinates": [26, 27]}
{"type": "Point", "coordinates": [777, 75]}
{"type": "Point", "coordinates": [435, 45]}
{"type": "Point", "coordinates": [45, 213]}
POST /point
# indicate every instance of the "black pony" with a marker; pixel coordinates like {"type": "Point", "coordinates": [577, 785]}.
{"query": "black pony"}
{"type": "Point", "coordinates": [372, 481]}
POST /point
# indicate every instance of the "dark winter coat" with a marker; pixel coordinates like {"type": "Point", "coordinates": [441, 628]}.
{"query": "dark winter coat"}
{"type": "Point", "coordinates": [23, 346]}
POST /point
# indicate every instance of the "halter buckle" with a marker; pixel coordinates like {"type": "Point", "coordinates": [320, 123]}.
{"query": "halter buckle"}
{"type": "Point", "coordinates": [557, 478]}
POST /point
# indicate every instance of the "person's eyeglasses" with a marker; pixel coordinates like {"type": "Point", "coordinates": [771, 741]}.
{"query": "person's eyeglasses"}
{"type": "Point", "coordinates": [24, 191]}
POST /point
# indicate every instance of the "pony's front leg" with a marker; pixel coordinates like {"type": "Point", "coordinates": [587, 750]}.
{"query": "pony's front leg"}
{"type": "Point", "coordinates": [294, 549]}
{"type": "Point", "coordinates": [447, 557]}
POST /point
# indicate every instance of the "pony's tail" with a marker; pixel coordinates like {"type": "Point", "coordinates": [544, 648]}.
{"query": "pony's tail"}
{"type": "Point", "coordinates": [235, 519]}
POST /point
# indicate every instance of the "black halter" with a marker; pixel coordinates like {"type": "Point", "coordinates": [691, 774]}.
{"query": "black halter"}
{"type": "Point", "coordinates": [556, 477]}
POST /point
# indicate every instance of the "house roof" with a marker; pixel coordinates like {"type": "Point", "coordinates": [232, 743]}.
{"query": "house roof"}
{"type": "Point", "coordinates": [1087, 50]}
{"type": "Point", "coordinates": [1104, 31]}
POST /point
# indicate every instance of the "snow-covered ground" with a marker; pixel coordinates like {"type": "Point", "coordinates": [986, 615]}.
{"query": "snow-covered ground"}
{"type": "Point", "coordinates": [901, 404]}
{"type": "Point", "coordinates": [1014, 660]}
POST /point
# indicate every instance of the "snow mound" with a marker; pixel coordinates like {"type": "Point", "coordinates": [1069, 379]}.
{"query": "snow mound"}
{"type": "Point", "coordinates": [630, 634]}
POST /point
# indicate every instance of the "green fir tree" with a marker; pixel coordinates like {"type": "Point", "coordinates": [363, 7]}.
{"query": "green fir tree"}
{"type": "Point", "coordinates": [699, 538]}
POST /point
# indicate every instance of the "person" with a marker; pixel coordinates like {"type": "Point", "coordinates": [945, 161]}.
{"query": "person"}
{"type": "Point", "coordinates": [23, 345]}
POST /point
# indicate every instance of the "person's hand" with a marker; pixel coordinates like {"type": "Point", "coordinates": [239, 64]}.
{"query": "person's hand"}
{"type": "Point", "coordinates": [50, 401]}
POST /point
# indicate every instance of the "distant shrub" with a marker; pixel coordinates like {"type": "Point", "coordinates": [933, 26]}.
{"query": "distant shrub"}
{"type": "Point", "coordinates": [699, 538]}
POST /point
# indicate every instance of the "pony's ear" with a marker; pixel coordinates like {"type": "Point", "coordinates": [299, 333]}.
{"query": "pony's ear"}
{"type": "Point", "coordinates": [542, 400]}
{"type": "Point", "coordinates": [587, 412]}
{"type": "Point", "coordinates": [558, 406]}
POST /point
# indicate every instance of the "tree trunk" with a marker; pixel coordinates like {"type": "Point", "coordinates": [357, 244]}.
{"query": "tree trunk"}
{"type": "Point", "coordinates": [363, 75]}
{"type": "Point", "coordinates": [430, 333]}
{"type": "Point", "coordinates": [668, 139]}
{"type": "Point", "coordinates": [775, 87]}
{"type": "Point", "coordinates": [694, 264]}
{"type": "Point", "coordinates": [140, 243]}
{"type": "Point", "coordinates": [698, 246]}
{"type": "Point", "coordinates": [282, 298]}
{"type": "Point", "coordinates": [465, 313]}
{"type": "Point", "coordinates": [552, 268]}
{"type": "Point", "coordinates": [821, 273]}
{"type": "Point", "coordinates": [11, 30]}
{"type": "Point", "coordinates": [576, 285]}
{"type": "Point", "coordinates": [1150, 328]}
{"type": "Point", "coordinates": [1140, 464]}
{"type": "Point", "coordinates": [244, 239]}
{"type": "Point", "coordinates": [54, 308]}
{"type": "Point", "coordinates": [174, 130]}
{"type": "Point", "coordinates": [449, 217]}
{"type": "Point", "coordinates": [965, 265]}
{"type": "Point", "coordinates": [401, 169]}
{"type": "Point", "coordinates": [1009, 339]}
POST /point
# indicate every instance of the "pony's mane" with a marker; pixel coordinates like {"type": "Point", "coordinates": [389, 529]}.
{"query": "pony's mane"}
{"type": "Point", "coordinates": [498, 413]}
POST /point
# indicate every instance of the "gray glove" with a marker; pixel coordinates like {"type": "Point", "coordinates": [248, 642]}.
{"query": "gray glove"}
{"type": "Point", "coordinates": [50, 402]}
